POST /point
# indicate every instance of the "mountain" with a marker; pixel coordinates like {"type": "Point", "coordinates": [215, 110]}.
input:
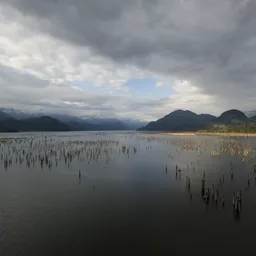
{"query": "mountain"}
{"type": "Point", "coordinates": [4, 116]}
{"type": "Point", "coordinates": [185, 120]}
{"type": "Point", "coordinates": [44, 123]}
{"type": "Point", "coordinates": [12, 120]}
{"type": "Point", "coordinates": [253, 118]}
{"type": "Point", "coordinates": [116, 124]}
{"type": "Point", "coordinates": [5, 126]}
{"type": "Point", "coordinates": [79, 126]}
{"type": "Point", "coordinates": [85, 123]}
{"type": "Point", "coordinates": [104, 124]}
{"type": "Point", "coordinates": [233, 117]}
{"type": "Point", "coordinates": [133, 124]}
{"type": "Point", "coordinates": [66, 118]}
{"type": "Point", "coordinates": [207, 117]}
{"type": "Point", "coordinates": [180, 120]}
{"type": "Point", "coordinates": [17, 114]}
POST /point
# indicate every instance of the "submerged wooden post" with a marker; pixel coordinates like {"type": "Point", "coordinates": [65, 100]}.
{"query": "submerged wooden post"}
{"type": "Point", "coordinates": [223, 202]}
{"type": "Point", "coordinates": [202, 186]}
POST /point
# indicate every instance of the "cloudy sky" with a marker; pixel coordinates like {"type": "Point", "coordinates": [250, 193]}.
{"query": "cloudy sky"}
{"type": "Point", "coordinates": [128, 58]}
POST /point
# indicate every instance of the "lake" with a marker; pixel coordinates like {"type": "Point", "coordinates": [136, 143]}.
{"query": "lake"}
{"type": "Point", "coordinates": [105, 193]}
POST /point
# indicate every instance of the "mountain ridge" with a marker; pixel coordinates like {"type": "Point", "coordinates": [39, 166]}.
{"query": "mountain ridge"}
{"type": "Point", "coordinates": [176, 121]}
{"type": "Point", "coordinates": [186, 120]}
{"type": "Point", "coordinates": [44, 123]}
{"type": "Point", "coordinates": [75, 123]}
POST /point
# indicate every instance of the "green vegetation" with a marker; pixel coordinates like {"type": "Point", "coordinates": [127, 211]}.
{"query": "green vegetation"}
{"type": "Point", "coordinates": [4, 140]}
{"type": "Point", "coordinates": [8, 139]}
{"type": "Point", "coordinates": [251, 128]}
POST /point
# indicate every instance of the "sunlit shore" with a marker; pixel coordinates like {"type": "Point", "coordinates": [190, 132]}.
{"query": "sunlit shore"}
{"type": "Point", "coordinates": [231, 134]}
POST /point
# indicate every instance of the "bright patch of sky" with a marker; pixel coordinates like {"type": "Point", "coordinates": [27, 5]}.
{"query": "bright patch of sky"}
{"type": "Point", "coordinates": [136, 87]}
{"type": "Point", "coordinates": [148, 87]}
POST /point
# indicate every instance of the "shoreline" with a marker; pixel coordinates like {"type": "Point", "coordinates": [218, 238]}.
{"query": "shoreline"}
{"type": "Point", "coordinates": [226, 134]}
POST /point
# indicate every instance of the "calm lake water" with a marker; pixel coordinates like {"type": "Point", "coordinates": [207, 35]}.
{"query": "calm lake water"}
{"type": "Point", "coordinates": [125, 201]}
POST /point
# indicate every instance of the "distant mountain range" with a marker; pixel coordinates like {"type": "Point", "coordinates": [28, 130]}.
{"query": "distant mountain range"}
{"type": "Point", "coordinates": [185, 120]}
{"type": "Point", "coordinates": [44, 123]}
{"type": "Point", "coordinates": [12, 120]}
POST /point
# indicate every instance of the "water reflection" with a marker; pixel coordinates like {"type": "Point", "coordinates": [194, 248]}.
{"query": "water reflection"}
{"type": "Point", "coordinates": [76, 193]}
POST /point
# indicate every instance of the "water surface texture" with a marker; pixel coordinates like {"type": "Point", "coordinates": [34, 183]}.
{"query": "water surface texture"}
{"type": "Point", "coordinates": [89, 193]}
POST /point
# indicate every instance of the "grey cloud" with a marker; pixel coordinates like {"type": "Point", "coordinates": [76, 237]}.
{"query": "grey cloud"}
{"type": "Point", "coordinates": [10, 76]}
{"type": "Point", "coordinates": [207, 42]}
{"type": "Point", "coordinates": [148, 104]}
{"type": "Point", "coordinates": [186, 36]}
{"type": "Point", "coordinates": [34, 94]}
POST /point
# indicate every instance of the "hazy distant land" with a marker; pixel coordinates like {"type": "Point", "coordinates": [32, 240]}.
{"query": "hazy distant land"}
{"type": "Point", "coordinates": [230, 122]}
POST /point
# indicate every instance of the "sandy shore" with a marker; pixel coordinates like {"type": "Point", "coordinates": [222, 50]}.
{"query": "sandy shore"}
{"type": "Point", "coordinates": [227, 134]}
